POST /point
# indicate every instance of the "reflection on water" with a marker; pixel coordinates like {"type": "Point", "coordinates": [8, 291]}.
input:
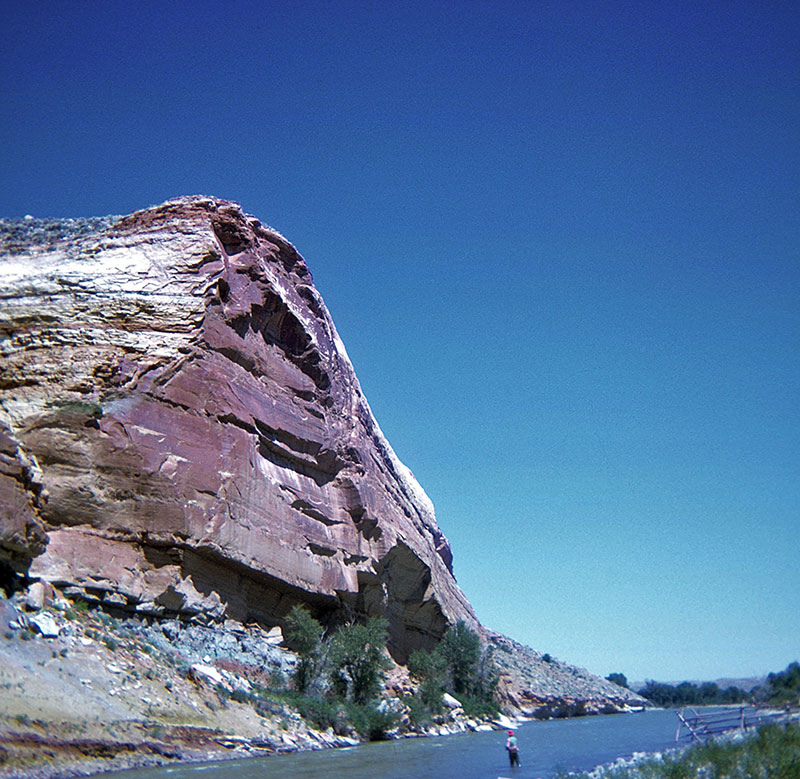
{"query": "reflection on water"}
{"type": "Point", "coordinates": [545, 748]}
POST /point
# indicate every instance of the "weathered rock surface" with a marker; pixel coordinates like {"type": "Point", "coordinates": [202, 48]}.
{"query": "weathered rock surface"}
{"type": "Point", "coordinates": [21, 534]}
{"type": "Point", "coordinates": [536, 685]}
{"type": "Point", "coordinates": [178, 414]}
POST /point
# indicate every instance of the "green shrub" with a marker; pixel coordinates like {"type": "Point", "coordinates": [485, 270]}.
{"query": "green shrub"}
{"type": "Point", "coordinates": [430, 670]}
{"type": "Point", "coordinates": [784, 686]}
{"type": "Point", "coordinates": [618, 679]}
{"type": "Point", "coordinates": [320, 712]}
{"type": "Point", "coordinates": [358, 660]}
{"type": "Point", "coordinates": [241, 696]}
{"type": "Point", "coordinates": [223, 693]}
{"type": "Point", "coordinates": [370, 722]}
{"type": "Point", "coordinates": [773, 752]}
{"type": "Point", "coordinates": [277, 681]}
{"type": "Point", "coordinates": [418, 713]}
{"type": "Point", "coordinates": [461, 649]}
{"type": "Point", "coordinates": [303, 635]}
{"type": "Point", "coordinates": [478, 707]}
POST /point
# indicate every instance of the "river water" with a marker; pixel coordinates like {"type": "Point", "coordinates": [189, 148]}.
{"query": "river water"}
{"type": "Point", "coordinates": [545, 748]}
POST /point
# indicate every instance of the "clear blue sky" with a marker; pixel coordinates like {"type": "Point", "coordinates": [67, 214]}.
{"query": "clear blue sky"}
{"type": "Point", "coordinates": [560, 241]}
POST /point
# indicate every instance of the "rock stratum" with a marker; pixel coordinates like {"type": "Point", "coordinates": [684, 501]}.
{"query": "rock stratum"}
{"type": "Point", "coordinates": [181, 422]}
{"type": "Point", "coordinates": [182, 435]}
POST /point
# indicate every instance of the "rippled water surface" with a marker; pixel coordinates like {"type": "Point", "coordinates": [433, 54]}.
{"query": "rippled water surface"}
{"type": "Point", "coordinates": [545, 748]}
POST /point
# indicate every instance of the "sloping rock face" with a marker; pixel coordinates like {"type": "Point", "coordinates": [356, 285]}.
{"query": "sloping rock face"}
{"type": "Point", "coordinates": [536, 685]}
{"type": "Point", "coordinates": [180, 417]}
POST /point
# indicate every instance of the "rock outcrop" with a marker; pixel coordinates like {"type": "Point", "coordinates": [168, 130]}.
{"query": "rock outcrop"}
{"type": "Point", "coordinates": [179, 415]}
{"type": "Point", "coordinates": [182, 435]}
{"type": "Point", "coordinates": [537, 685]}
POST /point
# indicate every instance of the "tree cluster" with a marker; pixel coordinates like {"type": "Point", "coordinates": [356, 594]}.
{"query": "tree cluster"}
{"type": "Point", "coordinates": [689, 694]}
{"type": "Point", "coordinates": [781, 687]}
{"type": "Point", "coordinates": [458, 665]}
{"type": "Point", "coordinates": [350, 663]}
{"type": "Point", "coordinates": [340, 676]}
{"type": "Point", "coordinates": [349, 667]}
{"type": "Point", "coordinates": [618, 679]}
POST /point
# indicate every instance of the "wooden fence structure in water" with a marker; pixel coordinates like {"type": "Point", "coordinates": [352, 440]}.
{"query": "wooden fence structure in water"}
{"type": "Point", "coordinates": [696, 726]}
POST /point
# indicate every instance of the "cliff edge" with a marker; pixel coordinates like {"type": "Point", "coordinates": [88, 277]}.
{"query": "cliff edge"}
{"type": "Point", "coordinates": [180, 417]}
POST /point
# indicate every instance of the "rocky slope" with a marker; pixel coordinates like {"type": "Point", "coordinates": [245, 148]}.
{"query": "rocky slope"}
{"type": "Point", "coordinates": [183, 437]}
{"type": "Point", "coordinates": [538, 685]}
{"type": "Point", "coordinates": [82, 692]}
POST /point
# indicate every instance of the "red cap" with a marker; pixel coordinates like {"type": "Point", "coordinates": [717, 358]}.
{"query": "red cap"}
{"type": "Point", "coordinates": [510, 732]}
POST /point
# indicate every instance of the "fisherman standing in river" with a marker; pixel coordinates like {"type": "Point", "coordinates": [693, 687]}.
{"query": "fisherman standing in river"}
{"type": "Point", "coordinates": [512, 749]}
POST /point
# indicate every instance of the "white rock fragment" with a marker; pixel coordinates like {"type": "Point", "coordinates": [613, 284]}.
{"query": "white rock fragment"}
{"type": "Point", "coordinates": [46, 625]}
{"type": "Point", "coordinates": [503, 722]}
{"type": "Point", "coordinates": [451, 702]}
{"type": "Point", "coordinates": [209, 672]}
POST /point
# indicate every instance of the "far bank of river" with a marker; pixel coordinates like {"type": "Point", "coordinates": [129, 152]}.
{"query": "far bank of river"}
{"type": "Point", "coordinates": [545, 749]}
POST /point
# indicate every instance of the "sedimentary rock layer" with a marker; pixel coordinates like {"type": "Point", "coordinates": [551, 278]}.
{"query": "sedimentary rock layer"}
{"type": "Point", "coordinates": [178, 414]}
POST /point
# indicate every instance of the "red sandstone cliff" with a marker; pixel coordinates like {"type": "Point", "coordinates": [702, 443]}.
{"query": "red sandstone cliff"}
{"type": "Point", "coordinates": [178, 414]}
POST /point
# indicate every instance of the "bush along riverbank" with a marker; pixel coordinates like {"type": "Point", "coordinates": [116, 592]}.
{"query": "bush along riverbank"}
{"type": "Point", "coordinates": [773, 752]}
{"type": "Point", "coordinates": [84, 691]}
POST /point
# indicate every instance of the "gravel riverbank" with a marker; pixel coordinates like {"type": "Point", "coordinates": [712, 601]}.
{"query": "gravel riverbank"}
{"type": "Point", "coordinates": [84, 692]}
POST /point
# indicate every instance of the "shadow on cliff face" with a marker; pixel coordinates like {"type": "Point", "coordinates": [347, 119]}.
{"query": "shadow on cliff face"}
{"type": "Point", "coordinates": [401, 593]}
{"type": "Point", "coordinates": [10, 581]}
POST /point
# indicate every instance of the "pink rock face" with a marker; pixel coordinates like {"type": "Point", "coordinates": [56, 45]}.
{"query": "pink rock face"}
{"type": "Point", "coordinates": [198, 437]}
{"type": "Point", "coordinates": [21, 535]}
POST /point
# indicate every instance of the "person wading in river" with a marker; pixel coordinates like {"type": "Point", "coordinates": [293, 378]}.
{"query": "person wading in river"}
{"type": "Point", "coordinates": [512, 749]}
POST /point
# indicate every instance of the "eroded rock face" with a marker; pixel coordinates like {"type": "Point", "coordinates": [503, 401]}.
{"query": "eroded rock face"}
{"type": "Point", "coordinates": [537, 685]}
{"type": "Point", "coordinates": [21, 534]}
{"type": "Point", "coordinates": [178, 414]}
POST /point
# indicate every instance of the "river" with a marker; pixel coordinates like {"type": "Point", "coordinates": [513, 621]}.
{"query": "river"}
{"type": "Point", "coordinates": [545, 748]}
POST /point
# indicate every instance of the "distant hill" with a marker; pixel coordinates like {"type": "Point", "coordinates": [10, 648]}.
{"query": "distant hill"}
{"type": "Point", "coordinates": [743, 684]}
{"type": "Point", "coordinates": [746, 684]}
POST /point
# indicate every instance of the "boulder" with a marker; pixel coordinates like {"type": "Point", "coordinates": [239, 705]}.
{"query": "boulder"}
{"type": "Point", "coordinates": [208, 672]}
{"type": "Point", "coordinates": [38, 595]}
{"type": "Point", "coordinates": [45, 624]}
{"type": "Point", "coordinates": [451, 702]}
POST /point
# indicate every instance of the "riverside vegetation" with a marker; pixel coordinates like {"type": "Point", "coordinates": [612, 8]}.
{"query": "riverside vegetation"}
{"type": "Point", "coordinates": [343, 674]}
{"type": "Point", "coordinates": [782, 687]}
{"type": "Point", "coordinates": [771, 753]}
